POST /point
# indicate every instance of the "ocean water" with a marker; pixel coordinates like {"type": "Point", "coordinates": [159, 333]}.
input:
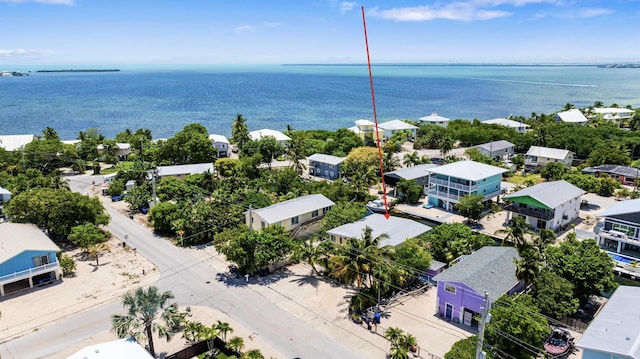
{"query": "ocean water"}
{"type": "Point", "coordinates": [165, 99]}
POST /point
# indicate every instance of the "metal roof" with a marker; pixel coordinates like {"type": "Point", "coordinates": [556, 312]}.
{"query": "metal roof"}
{"type": "Point", "coordinates": [612, 110]}
{"type": "Point", "coordinates": [258, 134]}
{"type": "Point", "coordinates": [293, 207]}
{"type": "Point", "coordinates": [434, 117]}
{"type": "Point", "coordinates": [574, 116]}
{"type": "Point", "coordinates": [553, 194]}
{"type": "Point", "coordinates": [328, 159]}
{"type": "Point", "coordinates": [218, 138]}
{"type": "Point", "coordinates": [396, 125]}
{"type": "Point", "coordinates": [121, 348]}
{"type": "Point", "coordinates": [399, 229]}
{"type": "Point", "coordinates": [616, 328]}
{"type": "Point", "coordinates": [506, 122]}
{"type": "Point", "coordinates": [547, 152]}
{"type": "Point", "coordinates": [496, 145]}
{"type": "Point", "coordinates": [413, 172]}
{"type": "Point", "coordinates": [16, 238]}
{"type": "Point", "coordinates": [15, 142]}
{"type": "Point", "coordinates": [622, 207]}
{"type": "Point", "coordinates": [185, 169]}
{"type": "Point", "coordinates": [469, 170]}
{"type": "Point", "coordinates": [490, 269]}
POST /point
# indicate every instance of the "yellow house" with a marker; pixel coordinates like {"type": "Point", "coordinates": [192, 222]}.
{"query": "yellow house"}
{"type": "Point", "coordinates": [366, 130]}
{"type": "Point", "coordinates": [289, 214]}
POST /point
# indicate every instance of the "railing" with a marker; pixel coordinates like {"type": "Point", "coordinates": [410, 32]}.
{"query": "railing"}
{"type": "Point", "coordinates": [544, 214]}
{"type": "Point", "coordinates": [467, 188]}
{"type": "Point", "coordinates": [443, 194]}
{"type": "Point", "coordinates": [29, 272]}
{"type": "Point", "coordinates": [618, 237]}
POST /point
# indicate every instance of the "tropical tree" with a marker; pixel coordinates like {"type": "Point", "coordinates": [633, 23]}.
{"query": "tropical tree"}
{"type": "Point", "coordinates": [236, 344]}
{"type": "Point", "coordinates": [553, 171]}
{"type": "Point", "coordinates": [390, 162]}
{"type": "Point", "coordinates": [516, 231]}
{"type": "Point", "coordinates": [87, 235]}
{"type": "Point", "coordinates": [412, 159]}
{"type": "Point", "coordinates": [545, 238]}
{"type": "Point", "coordinates": [463, 349]}
{"type": "Point", "coordinates": [471, 207]}
{"type": "Point", "coordinates": [223, 328]}
{"type": "Point", "coordinates": [252, 354]}
{"type": "Point", "coordinates": [95, 250]}
{"type": "Point", "coordinates": [311, 251]}
{"type": "Point", "coordinates": [554, 295]}
{"type": "Point", "coordinates": [240, 131]}
{"type": "Point", "coordinates": [295, 151]}
{"type": "Point", "coordinates": [529, 265]}
{"type": "Point", "coordinates": [446, 145]}
{"type": "Point", "coordinates": [144, 308]}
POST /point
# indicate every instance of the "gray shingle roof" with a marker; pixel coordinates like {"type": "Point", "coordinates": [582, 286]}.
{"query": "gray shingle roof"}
{"type": "Point", "coordinates": [496, 145]}
{"type": "Point", "coordinates": [469, 170]}
{"type": "Point", "coordinates": [398, 229]}
{"type": "Point", "coordinates": [616, 329]}
{"type": "Point", "coordinates": [547, 152]}
{"type": "Point", "coordinates": [328, 159]}
{"type": "Point", "coordinates": [552, 194]}
{"type": "Point", "coordinates": [293, 207]}
{"type": "Point", "coordinates": [413, 172]}
{"type": "Point", "coordinates": [490, 269]}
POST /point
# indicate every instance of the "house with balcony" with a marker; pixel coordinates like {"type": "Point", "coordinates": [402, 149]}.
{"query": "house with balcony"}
{"type": "Point", "coordinates": [367, 131]}
{"type": "Point", "coordinates": [303, 212]}
{"type": "Point", "coordinates": [625, 174]}
{"type": "Point", "coordinates": [615, 331]}
{"type": "Point", "coordinates": [397, 228]}
{"type": "Point", "coordinates": [616, 115]}
{"type": "Point", "coordinates": [325, 166]}
{"type": "Point", "coordinates": [450, 182]}
{"type": "Point", "coordinates": [571, 116]}
{"type": "Point", "coordinates": [497, 150]}
{"type": "Point", "coordinates": [519, 127]}
{"type": "Point", "coordinates": [221, 143]}
{"type": "Point", "coordinates": [435, 119]}
{"type": "Point", "coordinates": [538, 157]}
{"type": "Point", "coordinates": [547, 205]}
{"type": "Point", "coordinates": [621, 230]}
{"type": "Point", "coordinates": [27, 259]}
{"type": "Point", "coordinates": [461, 287]}
{"type": "Point", "coordinates": [419, 174]}
{"type": "Point", "coordinates": [394, 126]}
{"type": "Point", "coordinates": [182, 171]}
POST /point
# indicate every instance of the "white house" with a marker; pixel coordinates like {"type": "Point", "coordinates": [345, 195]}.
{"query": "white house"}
{"type": "Point", "coordinates": [520, 127]}
{"type": "Point", "coordinates": [290, 214]}
{"type": "Point", "coordinates": [122, 348]}
{"type": "Point", "coordinates": [571, 116]}
{"type": "Point", "coordinates": [435, 119]}
{"type": "Point", "coordinates": [393, 126]}
{"type": "Point", "coordinates": [16, 142]}
{"type": "Point", "coordinates": [123, 150]}
{"type": "Point", "coordinates": [221, 143]}
{"type": "Point", "coordinates": [398, 229]}
{"type": "Point", "coordinates": [614, 114]}
{"type": "Point", "coordinates": [181, 171]}
{"type": "Point", "coordinates": [279, 136]}
{"type": "Point", "coordinates": [538, 157]}
{"type": "Point", "coordinates": [500, 150]}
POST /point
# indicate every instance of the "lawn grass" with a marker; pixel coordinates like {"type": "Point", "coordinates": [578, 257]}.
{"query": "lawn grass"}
{"type": "Point", "coordinates": [519, 179]}
{"type": "Point", "coordinates": [122, 165]}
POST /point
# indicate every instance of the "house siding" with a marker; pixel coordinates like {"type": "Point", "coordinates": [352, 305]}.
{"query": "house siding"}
{"type": "Point", "coordinates": [446, 195]}
{"type": "Point", "coordinates": [285, 223]}
{"type": "Point", "coordinates": [324, 170]}
{"type": "Point", "coordinates": [24, 261]}
{"type": "Point", "coordinates": [570, 209]}
{"type": "Point", "coordinates": [592, 354]}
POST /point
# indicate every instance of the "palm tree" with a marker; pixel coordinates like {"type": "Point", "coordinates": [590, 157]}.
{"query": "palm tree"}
{"type": "Point", "coordinates": [544, 239]}
{"type": "Point", "coordinates": [96, 250]}
{"type": "Point", "coordinates": [398, 352]}
{"type": "Point", "coordinates": [240, 131]}
{"type": "Point", "coordinates": [528, 266]}
{"type": "Point", "coordinates": [446, 145]}
{"type": "Point", "coordinates": [516, 231]}
{"type": "Point", "coordinates": [223, 328]}
{"type": "Point", "coordinates": [390, 162]}
{"type": "Point", "coordinates": [144, 307]}
{"type": "Point", "coordinates": [394, 335]}
{"type": "Point", "coordinates": [57, 182]}
{"type": "Point", "coordinates": [192, 331]}
{"type": "Point", "coordinates": [411, 159]}
{"type": "Point", "coordinates": [236, 344]}
{"type": "Point", "coordinates": [295, 152]}
{"type": "Point", "coordinates": [309, 251]}
{"type": "Point", "coordinates": [252, 354]}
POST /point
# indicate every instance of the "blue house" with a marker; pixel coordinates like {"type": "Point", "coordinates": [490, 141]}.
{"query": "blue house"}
{"type": "Point", "coordinates": [27, 258]}
{"type": "Point", "coordinates": [450, 182]}
{"type": "Point", "coordinates": [325, 166]}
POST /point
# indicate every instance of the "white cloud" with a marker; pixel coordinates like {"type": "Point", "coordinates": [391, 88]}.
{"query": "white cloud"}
{"type": "Point", "coordinates": [53, 2]}
{"type": "Point", "coordinates": [271, 24]}
{"type": "Point", "coordinates": [586, 13]}
{"type": "Point", "coordinates": [346, 6]}
{"type": "Point", "coordinates": [242, 29]}
{"type": "Point", "coordinates": [24, 54]}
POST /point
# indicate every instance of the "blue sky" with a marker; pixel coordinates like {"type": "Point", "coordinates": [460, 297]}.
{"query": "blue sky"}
{"type": "Point", "coordinates": [317, 31]}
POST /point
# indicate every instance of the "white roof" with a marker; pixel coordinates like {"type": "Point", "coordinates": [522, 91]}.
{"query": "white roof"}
{"type": "Point", "coordinates": [496, 145]}
{"type": "Point", "coordinates": [120, 145]}
{"type": "Point", "coordinates": [218, 138]}
{"type": "Point", "coordinates": [293, 207]}
{"type": "Point", "coordinates": [616, 328]}
{"type": "Point", "coordinates": [257, 135]}
{"type": "Point", "coordinates": [4, 191]}
{"type": "Point", "coordinates": [413, 172]}
{"type": "Point", "coordinates": [396, 125]}
{"type": "Point", "coordinates": [16, 238]}
{"type": "Point", "coordinates": [15, 142]}
{"type": "Point", "coordinates": [328, 159]}
{"type": "Point", "coordinates": [185, 169]}
{"type": "Point", "coordinates": [70, 142]}
{"type": "Point", "coordinates": [469, 170]}
{"type": "Point", "coordinates": [122, 348]}
{"type": "Point", "coordinates": [574, 116]}
{"type": "Point", "coordinates": [506, 122]}
{"type": "Point", "coordinates": [364, 122]}
{"type": "Point", "coordinates": [547, 152]}
{"type": "Point", "coordinates": [434, 117]}
{"type": "Point", "coordinates": [399, 229]}
{"type": "Point", "coordinates": [621, 208]}
{"type": "Point", "coordinates": [552, 194]}
{"type": "Point", "coordinates": [612, 110]}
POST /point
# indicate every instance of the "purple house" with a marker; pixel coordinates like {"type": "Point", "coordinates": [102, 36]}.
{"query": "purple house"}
{"type": "Point", "coordinates": [461, 287]}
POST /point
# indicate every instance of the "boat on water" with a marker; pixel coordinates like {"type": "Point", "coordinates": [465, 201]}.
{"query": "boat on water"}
{"type": "Point", "coordinates": [559, 342]}
{"type": "Point", "coordinates": [377, 206]}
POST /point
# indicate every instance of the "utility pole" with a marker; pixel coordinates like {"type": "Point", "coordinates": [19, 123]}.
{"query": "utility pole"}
{"type": "Point", "coordinates": [250, 219]}
{"type": "Point", "coordinates": [153, 186]}
{"type": "Point", "coordinates": [485, 310]}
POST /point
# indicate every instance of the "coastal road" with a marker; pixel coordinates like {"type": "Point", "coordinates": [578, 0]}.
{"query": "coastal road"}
{"type": "Point", "coordinates": [193, 283]}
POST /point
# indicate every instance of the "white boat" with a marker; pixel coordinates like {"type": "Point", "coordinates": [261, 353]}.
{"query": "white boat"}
{"type": "Point", "coordinates": [377, 206]}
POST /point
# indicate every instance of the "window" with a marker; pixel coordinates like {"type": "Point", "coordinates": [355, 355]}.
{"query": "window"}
{"type": "Point", "coordinates": [333, 238]}
{"type": "Point", "coordinates": [325, 210]}
{"type": "Point", "coordinates": [262, 224]}
{"type": "Point", "coordinates": [449, 288]}
{"type": "Point", "coordinates": [314, 213]}
{"type": "Point", "coordinates": [295, 220]}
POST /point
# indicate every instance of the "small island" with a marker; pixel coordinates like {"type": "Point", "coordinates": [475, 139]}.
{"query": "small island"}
{"type": "Point", "coordinates": [620, 66]}
{"type": "Point", "coordinates": [81, 70]}
{"type": "Point", "coordinates": [12, 74]}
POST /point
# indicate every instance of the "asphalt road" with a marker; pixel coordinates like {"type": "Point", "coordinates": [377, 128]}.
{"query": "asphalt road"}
{"type": "Point", "coordinates": [193, 283]}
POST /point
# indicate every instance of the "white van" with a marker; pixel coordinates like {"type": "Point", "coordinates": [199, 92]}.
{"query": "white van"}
{"type": "Point", "coordinates": [108, 178]}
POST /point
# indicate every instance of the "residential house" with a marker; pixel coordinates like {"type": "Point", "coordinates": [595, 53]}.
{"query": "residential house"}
{"type": "Point", "coordinates": [435, 268]}
{"type": "Point", "coordinates": [27, 258]}
{"type": "Point", "coordinates": [497, 150]}
{"type": "Point", "coordinates": [462, 286]}
{"type": "Point", "coordinates": [621, 231]}
{"type": "Point", "coordinates": [16, 142]}
{"type": "Point", "coordinates": [419, 173]}
{"type": "Point", "coordinates": [538, 157]}
{"type": "Point", "coordinates": [325, 166]}
{"type": "Point", "coordinates": [435, 119]}
{"type": "Point", "coordinates": [549, 205]}
{"type": "Point", "coordinates": [571, 116]}
{"type": "Point", "coordinates": [5, 196]}
{"type": "Point", "coordinates": [127, 348]}
{"type": "Point", "coordinates": [397, 228]}
{"type": "Point", "coordinates": [304, 212]}
{"type": "Point", "coordinates": [123, 150]}
{"type": "Point", "coordinates": [280, 137]}
{"type": "Point", "coordinates": [393, 126]}
{"type": "Point", "coordinates": [221, 143]}
{"type": "Point", "coordinates": [614, 114]}
{"type": "Point", "coordinates": [450, 182]}
{"type": "Point", "coordinates": [520, 127]}
{"type": "Point", "coordinates": [615, 331]}
{"type": "Point", "coordinates": [366, 130]}
{"type": "Point", "coordinates": [182, 171]}
{"type": "Point", "coordinates": [625, 174]}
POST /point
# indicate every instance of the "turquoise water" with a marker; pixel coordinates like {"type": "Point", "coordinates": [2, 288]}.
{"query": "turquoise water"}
{"type": "Point", "coordinates": [165, 98]}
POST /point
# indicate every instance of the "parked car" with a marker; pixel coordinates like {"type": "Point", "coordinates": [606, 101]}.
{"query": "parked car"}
{"type": "Point", "coordinates": [116, 198]}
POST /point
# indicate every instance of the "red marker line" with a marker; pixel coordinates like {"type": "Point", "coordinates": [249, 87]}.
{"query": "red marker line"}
{"type": "Point", "coordinates": [375, 117]}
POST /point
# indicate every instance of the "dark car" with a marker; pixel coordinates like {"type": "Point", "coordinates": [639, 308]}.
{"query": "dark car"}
{"type": "Point", "coordinates": [116, 198]}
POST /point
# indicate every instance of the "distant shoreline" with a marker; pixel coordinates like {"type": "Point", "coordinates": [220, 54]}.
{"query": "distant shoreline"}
{"type": "Point", "coordinates": [81, 70]}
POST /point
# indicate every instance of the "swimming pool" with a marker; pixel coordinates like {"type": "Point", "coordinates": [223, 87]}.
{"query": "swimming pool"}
{"type": "Point", "coordinates": [621, 258]}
